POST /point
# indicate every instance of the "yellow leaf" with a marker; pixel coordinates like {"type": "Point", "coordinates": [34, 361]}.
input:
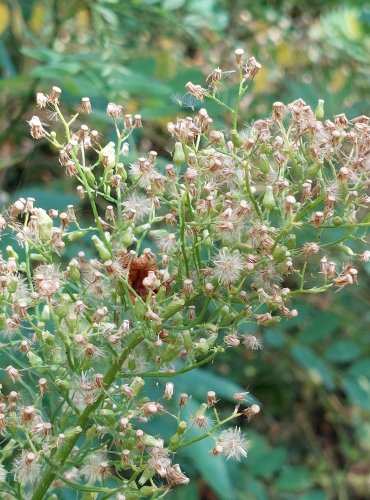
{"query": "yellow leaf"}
{"type": "Point", "coordinates": [261, 81]}
{"type": "Point", "coordinates": [83, 19]}
{"type": "Point", "coordinates": [288, 57]}
{"type": "Point", "coordinates": [4, 17]}
{"type": "Point", "coordinates": [338, 80]}
{"type": "Point", "coordinates": [17, 21]}
{"type": "Point", "coordinates": [37, 18]}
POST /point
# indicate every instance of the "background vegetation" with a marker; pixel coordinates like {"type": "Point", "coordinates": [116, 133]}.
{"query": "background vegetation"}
{"type": "Point", "coordinates": [312, 439]}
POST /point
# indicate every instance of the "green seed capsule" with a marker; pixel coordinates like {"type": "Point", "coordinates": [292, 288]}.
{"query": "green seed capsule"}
{"type": "Point", "coordinates": [268, 199]}
{"type": "Point", "coordinates": [235, 138]}
{"type": "Point", "coordinates": [178, 154]}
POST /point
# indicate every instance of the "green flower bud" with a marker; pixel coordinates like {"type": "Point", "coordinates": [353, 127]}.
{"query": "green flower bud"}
{"type": "Point", "coordinates": [120, 169]}
{"type": "Point", "coordinates": [108, 416]}
{"type": "Point", "coordinates": [131, 363]}
{"type": "Point", "coordinates": [291, 242]}
{"type": "Point", "coordinates": [337, 221]}
{"type": "Point", "coordinates": [178, 154]}
{"type": "Point", "coordinates": [45, 313]}
{"type": "Point", "coordinates": [12, 253]}
{"type": "Point", "coordinates": [152, 442]}
{"type": "Point", "coordinates": [141, 229]}
{"type": "Point", "coordinates": [347, 250]}
{"type": "Point", "coordinates": [207, 241]}
{"type": "Point", "coordinates": [63, 385]}
{"type": "Point", "coordinates": [279, 253]}
{"type": "Point", "coordinates": [170, 353]}
{"type": "Point", "coordinates": [35, 361]}
{"type": "Point", "coordinates": [102, 250]}
{"type": "Point", "coordinates": [89, 176]}
{"type": "Point", "coordinates": [128, 237]}
{"type": "Point", "coordinates": [12, 286]}
{"type": "Point", "coordinates": [235, 138]}
{"type": "Point", "coordinates": [45, 224]}
{"type": "Point", "coordinates": [264, 164]}
{"type": "Point", "coordinates": [74, 272]}
{"type": "Point", "coordinates": [176, 438]}
{"type": "Point", "coordinates": [173, 307]}
{"type": "Point", "coordinates": [91, 432]}
{"type": "Point", "coordinates": [201, 410]}
{"type": "Point", "coordinates": [268, 198]}
{"type": "Point", "coordinates": [145, 476]}
{"type": "Point", "coordinates": [313, 170]}
{"type": "Point", "coordinates": [319, 111]}
{"type": "Point", "coordinates": [76, 235]}
{"type": "Point", "coordinates": [22, 267]}
{"type": "Point", "coordinates": [137, 384]}
{"type": "Point", "coordinates": [188, 341]}
{"type": "Point", "coordinates": [36, 257]}
{"type": "Point", "coordinates": [70, 433]}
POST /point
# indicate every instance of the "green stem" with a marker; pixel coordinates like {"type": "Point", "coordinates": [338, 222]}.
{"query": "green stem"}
{"type": "Point", "coordinates": [176, 373]}
{"type": "Point", "coordinates": [83, 420]}
{"type": "Point", "coordinates": [206, 434]}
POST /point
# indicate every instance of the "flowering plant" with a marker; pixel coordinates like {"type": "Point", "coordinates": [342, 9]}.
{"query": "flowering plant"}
{"type": "Point", "coordinates": [225, 220]}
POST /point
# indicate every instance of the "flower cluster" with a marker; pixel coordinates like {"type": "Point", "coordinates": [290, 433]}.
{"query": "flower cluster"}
{"type": "Point", "coordinates": [184, 255]}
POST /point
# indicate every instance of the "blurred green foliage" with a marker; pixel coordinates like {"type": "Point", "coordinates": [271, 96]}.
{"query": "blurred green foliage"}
{"type": "Point", "coordinates": [312, 439]}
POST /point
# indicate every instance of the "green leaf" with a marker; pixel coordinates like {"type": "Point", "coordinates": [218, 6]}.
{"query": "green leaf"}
{"type": "Point", "coordinates": [172, 4]}
{"type": "Point", "coordinates": [267, 463]}
{"type": "Point", "coordinates": [342, 351]}
{"type": "Point", "coordinates": [314, 495]}
{"type": "Point", "coordinates": [358, 390]}
{"type": "Point", "coordinates": [213, 470]}
{"type": "Point", "coordinates": [294, 479]}
{"type": "Point", "coordinates": [316, 368]}
{"type": "Point", "coordinates": [185, 492]}
{"type": "Point", "coordinates": [53, 71]}
{"type": "Point", "coordinates": [274, 338]}
{"type": "Point", "coordinates": [360, 368]}
{"type": "Point", "coordinates": [323, 326]}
